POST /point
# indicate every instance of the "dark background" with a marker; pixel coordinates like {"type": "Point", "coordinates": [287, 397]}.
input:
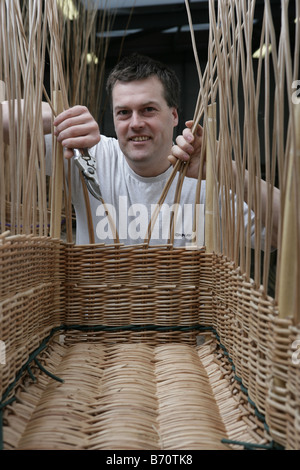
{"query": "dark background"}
{"type": "Point", "coordinates": [160, 30]}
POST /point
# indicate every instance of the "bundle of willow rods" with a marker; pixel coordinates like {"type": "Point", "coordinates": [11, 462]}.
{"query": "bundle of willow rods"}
{"type": "Point", "coordinates": [239, 83]}
{"type": "Point", "coordinates": [34, 34]}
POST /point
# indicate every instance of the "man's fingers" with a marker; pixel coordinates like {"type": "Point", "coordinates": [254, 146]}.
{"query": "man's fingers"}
{"type": "Point", "coordinates": [183, 142]}
{"type": "Point", "coordinates": [68, 153]}
{"type": "Point", "coordinates": [188, 136]}
{"type": "Point", "coordinates": [76, 122]}
{"type": "Point", "coordinates": [80, 142]}
{"type": "Point", "coordinates": [189, 124]}
{"type": "Point", "coordinates": [172, 159]}
{"type": "Point", "coordinates": [73, 132]}
{"type": "Point", "coordinates": [76, 128]}
{"type": "Point", "coordinates": [179, 152]}
{"type": "Point", "coordinates": [198, 131]}
{"type": "Point", "coordinates": [70, 113]}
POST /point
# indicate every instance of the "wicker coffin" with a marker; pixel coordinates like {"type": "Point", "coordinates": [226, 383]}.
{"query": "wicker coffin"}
{"type": "Point", "coordinates": [113, 347]}
{"type": "Point", "coordinates": [138, 347]}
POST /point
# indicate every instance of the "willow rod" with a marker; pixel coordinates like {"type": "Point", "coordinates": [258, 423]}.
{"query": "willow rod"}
{"type": "Point", "coordinates": [2, 167]}
{"type": "Point", "coordinates": [269, 165]}
{"type": "Point", "coordinates": [288, 288]}
{"type": "Point", "coordinates": [23, 63]}
{"type": "Point", "coordinates": [57, 178]}
{"type": "Point", "coordinates": [229, 123]}
{"type": "Point", "coordinates": [35, 191]}
{"type": "Point", "coordinates": [210, 205]}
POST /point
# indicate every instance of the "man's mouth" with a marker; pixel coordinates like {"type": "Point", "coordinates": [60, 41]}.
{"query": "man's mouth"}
{"type": "Point", "coordinates": [140, 138]}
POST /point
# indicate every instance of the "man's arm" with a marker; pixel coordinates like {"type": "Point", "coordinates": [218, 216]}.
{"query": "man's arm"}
{"type": "Point", "coordinates": [188, 148]}
{"type": "Point", "coordinates": [265, 190]}
{"type": "Point", "coordinates": [5, 106]}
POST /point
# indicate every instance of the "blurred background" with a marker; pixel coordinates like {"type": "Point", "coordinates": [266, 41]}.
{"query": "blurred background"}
{"type": "Point", "coordinates": [160, 29]}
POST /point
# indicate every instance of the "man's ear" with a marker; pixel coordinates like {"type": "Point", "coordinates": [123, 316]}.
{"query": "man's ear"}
{"type": "Point", "coordinates": [175, 116]}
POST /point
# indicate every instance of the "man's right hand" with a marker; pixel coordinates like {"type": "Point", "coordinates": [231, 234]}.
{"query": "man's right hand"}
{"type": "Point", "coordinates": [76, 128]}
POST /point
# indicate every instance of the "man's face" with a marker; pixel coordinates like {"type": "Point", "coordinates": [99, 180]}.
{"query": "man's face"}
{"type": "Point", "coordinates": [144, 124]}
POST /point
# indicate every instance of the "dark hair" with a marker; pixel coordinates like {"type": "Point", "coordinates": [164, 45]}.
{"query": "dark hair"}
{"type": "Point", "coordinates": [138, 67]}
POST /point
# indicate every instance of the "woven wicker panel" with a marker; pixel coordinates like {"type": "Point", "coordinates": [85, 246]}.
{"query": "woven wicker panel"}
{"type": "Point", "coordinates": [26, 320]}
{"type": "Point", "coordinates": [138, 285]}
{"type": "Point", "coordinates": [283, 398]}
{"type": "Point", "coordinates": [133, 264]}
{"type": "Point", "coordinates": [242, 315]}
{"type": "Point", "coordinates": [293, 387]}
{"type": "Point", "coordinates": [27, 261]}
{"type": "Point", "coordinates": [31, 297]}
{"type": "Point", "coordinates": [130, 396]}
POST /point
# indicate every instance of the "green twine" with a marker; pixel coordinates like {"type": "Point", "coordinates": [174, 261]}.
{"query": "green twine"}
{"type": "Point", "coordinates": [251, 446]}
{"type": "Point", "coordinates": [31, 373]}
{"type": "Point", "coordinates": [47, 372]}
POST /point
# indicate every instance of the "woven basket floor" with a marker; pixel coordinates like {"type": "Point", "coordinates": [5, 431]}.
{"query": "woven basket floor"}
{"type": "Point", "coordinates": [130, 396]}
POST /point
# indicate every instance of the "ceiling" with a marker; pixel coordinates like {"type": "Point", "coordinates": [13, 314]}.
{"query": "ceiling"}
{"type": "Point", "coordinates": [160, 28]}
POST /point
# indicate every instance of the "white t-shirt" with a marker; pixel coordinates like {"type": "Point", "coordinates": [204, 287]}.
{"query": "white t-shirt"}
{"type": "Point", "coordinates": [132, 199]}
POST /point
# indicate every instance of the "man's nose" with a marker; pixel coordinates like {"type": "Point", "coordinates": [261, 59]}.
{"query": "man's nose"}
{"type": "Point", "coordinates": [136, 120]}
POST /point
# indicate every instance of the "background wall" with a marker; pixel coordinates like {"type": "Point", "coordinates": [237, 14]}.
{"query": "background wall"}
{"type": "Point", "coordinates": [160, 29]}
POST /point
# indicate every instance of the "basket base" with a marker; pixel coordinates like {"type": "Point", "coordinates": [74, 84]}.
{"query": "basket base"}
{"type": "Point", "coordinates": [129, 396]}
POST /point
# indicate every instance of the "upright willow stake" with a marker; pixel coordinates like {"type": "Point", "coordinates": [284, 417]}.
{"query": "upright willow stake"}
{"type": "Point", "coordinates": [289, 274]}
{"type": "Point", "coordinates": [210, 203]}
{"type": "Point", "coordinates": [2, 174]}
{"type": "Point", "coordinates": [57, 177]}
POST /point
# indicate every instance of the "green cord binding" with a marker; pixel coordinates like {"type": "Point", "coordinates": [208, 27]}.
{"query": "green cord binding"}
{"type": "Point", "coordinates": [31, 373]}
{"type": "Point", "coordinates": [149, 327]}
{"type": "Point", "coordinates": [43, 345]}
{"type": "Point", "coordinates": [47, 372]}
{"type": "Point", "coordinates": [250, 446]}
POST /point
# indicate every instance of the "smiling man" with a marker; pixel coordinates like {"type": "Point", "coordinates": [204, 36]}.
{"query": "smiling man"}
{"type": "Point", "coordinates": [144, 124]}
{"type": "Point", "coordinates": [145, 100]}
{"type": "Point", "coordinates": [134, 168]}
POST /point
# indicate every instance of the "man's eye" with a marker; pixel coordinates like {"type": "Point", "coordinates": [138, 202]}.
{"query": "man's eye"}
{"type": "Point", "coordinates": [149, 109]}
{"type": "Point", "coordinates": [123, 112]}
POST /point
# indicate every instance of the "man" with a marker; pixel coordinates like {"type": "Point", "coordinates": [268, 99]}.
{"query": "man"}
{"type": "Point", "coordinates": [134, 168]}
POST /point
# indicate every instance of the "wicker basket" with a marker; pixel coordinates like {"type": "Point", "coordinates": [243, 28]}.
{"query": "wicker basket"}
{"type": "Point", "coordinates": [151, 347]}
{"type": "Point", "coordinates": [114, 347]}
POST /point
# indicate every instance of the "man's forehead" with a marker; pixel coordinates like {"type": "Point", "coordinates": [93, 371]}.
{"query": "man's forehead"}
{"type": "Point", "coordinates": [151, 88]}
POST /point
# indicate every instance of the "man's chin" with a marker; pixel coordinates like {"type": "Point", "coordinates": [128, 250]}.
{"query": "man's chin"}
{"type": "Point", "coordinates": [139, 157]}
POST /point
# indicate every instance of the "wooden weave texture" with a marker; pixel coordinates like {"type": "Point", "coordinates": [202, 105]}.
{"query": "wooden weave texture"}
{"type": "Point", "coordinates": [46, 284]}
{"type": "Point", "coordinates": [129, 396]}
